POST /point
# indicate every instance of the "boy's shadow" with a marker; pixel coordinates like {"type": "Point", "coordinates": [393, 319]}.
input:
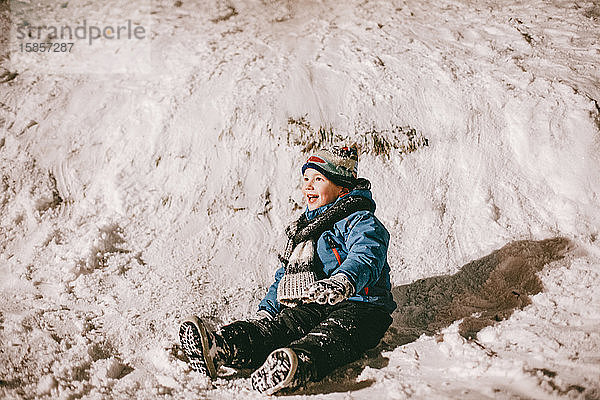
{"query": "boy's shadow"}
{"type": "Point", "coordinates": [481, 293]}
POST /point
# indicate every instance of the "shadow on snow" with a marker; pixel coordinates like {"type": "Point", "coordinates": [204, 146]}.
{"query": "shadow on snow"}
{"type": "Point", "coordinates": [481, 293]}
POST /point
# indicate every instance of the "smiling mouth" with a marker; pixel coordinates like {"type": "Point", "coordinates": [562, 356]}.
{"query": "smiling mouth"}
{"type": "Point", "coordinates": [311, 197]}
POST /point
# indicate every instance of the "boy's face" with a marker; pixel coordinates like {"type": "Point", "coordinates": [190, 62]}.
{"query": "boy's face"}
{"type": "Point", "coordinates": [318, 190]}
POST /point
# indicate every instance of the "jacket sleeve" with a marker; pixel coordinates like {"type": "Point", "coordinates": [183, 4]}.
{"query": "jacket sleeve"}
{"type": "Point", "coordinates": [270, 303]}
{"type": "Point", "coordinates": [367, 243]}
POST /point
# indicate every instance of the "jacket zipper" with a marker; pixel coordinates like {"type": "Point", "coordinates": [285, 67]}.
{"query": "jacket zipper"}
{"type": "Point", "coordinates": [335, 250]}
{"type": "Point", "coordinates": [333, 247]}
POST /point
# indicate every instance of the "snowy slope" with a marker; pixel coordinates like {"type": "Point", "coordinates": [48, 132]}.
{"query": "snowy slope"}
{"type": "Point", "coordinates": [132, 199]}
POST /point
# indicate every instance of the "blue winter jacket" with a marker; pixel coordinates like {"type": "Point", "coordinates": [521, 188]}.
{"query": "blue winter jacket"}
{"type": "Point", "coordinates": [357, 247]}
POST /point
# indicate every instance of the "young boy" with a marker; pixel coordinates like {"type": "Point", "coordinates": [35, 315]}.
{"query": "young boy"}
{"type": "Point", "coordinates": [331, 298]}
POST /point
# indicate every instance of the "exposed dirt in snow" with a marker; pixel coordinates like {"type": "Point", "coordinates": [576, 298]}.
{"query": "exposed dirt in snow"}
{"type": "Point", "coordinates": [135, 193]}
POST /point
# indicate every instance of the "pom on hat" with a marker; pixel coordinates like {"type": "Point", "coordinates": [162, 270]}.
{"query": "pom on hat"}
{"type": "Point", "coordinates": [338, 164]}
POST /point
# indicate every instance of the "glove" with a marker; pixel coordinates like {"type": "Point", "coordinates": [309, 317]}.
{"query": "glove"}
{"type": "Point", "coordinates": [329, 291]}
{"type": "Point", "coordinates": [263, 314]}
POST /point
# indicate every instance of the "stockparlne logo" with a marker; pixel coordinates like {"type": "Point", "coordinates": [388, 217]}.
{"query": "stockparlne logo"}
{"type": "Point", "coordinates": [90, 33]}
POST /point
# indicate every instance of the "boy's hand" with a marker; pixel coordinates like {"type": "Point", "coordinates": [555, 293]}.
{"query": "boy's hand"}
{"type": "Point", "coordinates": [330, 291]}
{"type": "Point", "coordinates": [263, 314]}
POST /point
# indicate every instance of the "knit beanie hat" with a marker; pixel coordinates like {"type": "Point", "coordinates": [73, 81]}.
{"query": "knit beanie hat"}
{"type": "Point", "coordinates": [338, 164]}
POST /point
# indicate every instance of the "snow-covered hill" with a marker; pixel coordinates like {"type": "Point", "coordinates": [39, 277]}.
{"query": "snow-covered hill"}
{"type": "Point", "coordinates": [142, 181]}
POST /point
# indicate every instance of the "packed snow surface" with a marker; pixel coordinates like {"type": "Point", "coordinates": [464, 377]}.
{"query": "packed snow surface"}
{"type": "Point", "coordinates": [138, 189]}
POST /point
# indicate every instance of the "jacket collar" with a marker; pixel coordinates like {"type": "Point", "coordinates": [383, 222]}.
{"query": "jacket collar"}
{"type": "Point", "coordinates": [310, 214]}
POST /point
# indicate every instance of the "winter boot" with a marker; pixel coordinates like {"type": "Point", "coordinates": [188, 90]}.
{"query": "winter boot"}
{"type": "Point", "coordinates": [280, 370]}
{"type": "Point", "coordinates": [205, 350]}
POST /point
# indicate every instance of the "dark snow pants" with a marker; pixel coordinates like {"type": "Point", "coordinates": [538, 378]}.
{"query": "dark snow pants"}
{"type": "Point", "coordinates": [324, 337]}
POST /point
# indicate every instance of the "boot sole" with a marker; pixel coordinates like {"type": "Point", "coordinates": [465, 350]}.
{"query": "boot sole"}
{"type": "Point", "coordinates": [276, 373]}
{"type": "Point", "coordinates": [194, 342]}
